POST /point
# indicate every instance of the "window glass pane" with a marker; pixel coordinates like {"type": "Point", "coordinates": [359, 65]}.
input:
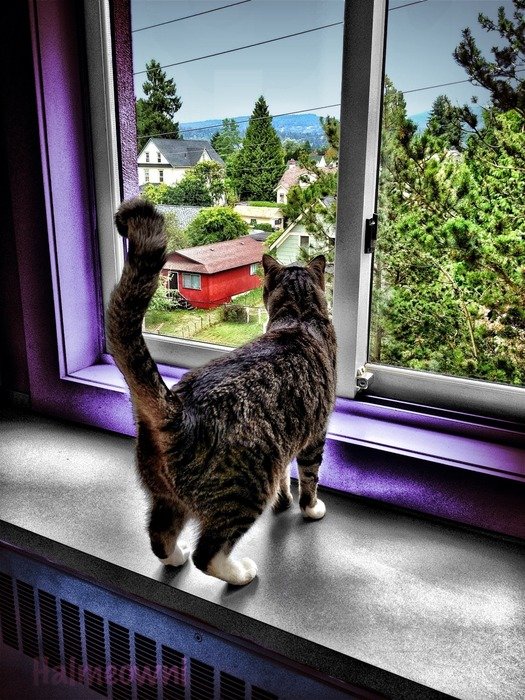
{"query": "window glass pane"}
{"type": "Point", "coordinates": [448, 289]}
{"type": "Point", "coordinates": [240, 104]}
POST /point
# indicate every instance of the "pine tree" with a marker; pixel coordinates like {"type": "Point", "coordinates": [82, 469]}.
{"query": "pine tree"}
{"type": "Point", "coordinates": [259, 164]}
{"type": "Point", "coordinates": [155, 113]}
{"type": "Point", "coordinates": [228, 140]}
{"type": "Point", "coordinates": [445, 122]}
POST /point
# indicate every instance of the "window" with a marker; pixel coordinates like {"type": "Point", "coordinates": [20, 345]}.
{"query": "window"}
{"type": "Point", "coordinates": [161, 175]}
{"type": "Point", "coordinates": [72, 376]}
{"type": "Point", "coordinates": [281, 196]}
{"type": "Point", "coordinates": [304, 242]}
{"type": "Point", "coordinates": [147, 156]}
{"type": "Point", "coordinates": [253, 269]}
{"type": "Point", "coordinates": [277, 222]}
{"type": "Point", "coordinates": [191, 281]}
{"type": "Point", "coordinates": [146, 175]}
{"type": "Point", "coordinates": [253, 222]}
{"type": "Point", "coordinates": [159, 157]}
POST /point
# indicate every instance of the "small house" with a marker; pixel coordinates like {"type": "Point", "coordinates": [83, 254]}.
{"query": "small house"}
{"type": "Point", "coordinates": [210, 275]}
{"type": "Point", "coordinates": [254, 215]}
{"type": "Point", "coordinates": [168, 160]}
{"type": "Point", "coordinates": [295, 237]}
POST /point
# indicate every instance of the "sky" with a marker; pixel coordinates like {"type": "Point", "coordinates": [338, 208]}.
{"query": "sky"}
{"type": "Point", "coordinates": [301, 72]}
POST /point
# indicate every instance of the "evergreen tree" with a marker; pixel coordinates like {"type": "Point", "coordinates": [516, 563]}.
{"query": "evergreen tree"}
{"type": "Point", "coordinates": [228, 139]}
{"type": "Point", "coordinates": [257, 167]}
{"type": "Point", "coordinates": [331, 128]}
{"type": "Point", "coordinates": [499, 76]}
{"type": "Point", "coordinates": [155, 113]}
{"type": "Point", "coordinates": [444, 123]}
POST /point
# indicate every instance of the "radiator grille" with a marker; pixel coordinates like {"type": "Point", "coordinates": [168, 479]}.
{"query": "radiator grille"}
{"type": "Point", "coordinates": [95, 652]}
{"type": "Point", "coordinates": [8, 611]}
{"type": "Point", "coordinates": [47, 606]}
{"type": "Point", "coordinates": [232, 688]}
{"type": "Point", "coordinates": [106, 656]}
{"type": "Point", "coordinates": [26, 609]}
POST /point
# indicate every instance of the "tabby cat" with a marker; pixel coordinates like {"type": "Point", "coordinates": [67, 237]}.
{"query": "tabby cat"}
{"type": "Point", "coordinates": [216, 447]}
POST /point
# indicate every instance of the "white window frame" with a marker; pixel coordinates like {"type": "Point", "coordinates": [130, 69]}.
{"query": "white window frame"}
{"type": "Point", "coordinates": [253, 269]}
{"type": "Point", "coordinates": [161, 175]}
{"type": "Point", "coordinates": [361, 99]}
{"type": "Point", "coordinates": [159, 157]}
{"type": "Point", "coordinates": [193, 278]}
{"type": "Point", "coordinates": [147, 156]}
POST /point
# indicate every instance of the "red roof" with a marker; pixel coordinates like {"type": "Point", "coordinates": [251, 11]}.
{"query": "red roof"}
{"type": "Point", "coordinates": [216, 257]}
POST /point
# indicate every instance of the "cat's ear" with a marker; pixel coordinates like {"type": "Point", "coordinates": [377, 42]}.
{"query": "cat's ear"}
{"type": "Point", "coordinates": [270, 265]}
{"type": "Point", "coordinates": [317, 267]}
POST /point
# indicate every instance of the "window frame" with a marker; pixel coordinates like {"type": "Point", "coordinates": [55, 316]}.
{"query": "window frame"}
{"type": "Point", "coordinates": [70, 374]}
{"type": "Point", "coordinates": [194, 277]}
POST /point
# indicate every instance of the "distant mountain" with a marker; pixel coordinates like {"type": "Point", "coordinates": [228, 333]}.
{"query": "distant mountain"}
{"type": "Point", "coordinates": [300, 127]}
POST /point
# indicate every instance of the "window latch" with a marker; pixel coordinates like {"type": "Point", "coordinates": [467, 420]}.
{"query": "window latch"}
{"type": "Point", "coordinates": [370, 233]}
{"type": "Point", "coordinates": [363, 379]}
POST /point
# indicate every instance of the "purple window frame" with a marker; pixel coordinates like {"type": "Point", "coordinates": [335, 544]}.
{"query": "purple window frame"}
{"type": "Point", "coordinates": [441, 465]}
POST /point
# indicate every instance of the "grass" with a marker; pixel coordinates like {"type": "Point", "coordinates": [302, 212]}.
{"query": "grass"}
{"type": "Point", "coordinates": [231, 334]}
{"type": "Point", "coordinates": [252, 298]}
{"type": "Point", "coordinates": [264, 204]}
{"type": "Point", "coordinates": [170, 322]}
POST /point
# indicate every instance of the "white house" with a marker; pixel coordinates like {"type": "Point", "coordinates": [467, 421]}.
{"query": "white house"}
{"type": "Point", "coordinates": [297, 175]}
{"type": "Point", "coordinates": [260, 215]}
{"type": "Point", "coordinates": [293, 238]}
{"type": "Point", "coordinates": [167, 160]}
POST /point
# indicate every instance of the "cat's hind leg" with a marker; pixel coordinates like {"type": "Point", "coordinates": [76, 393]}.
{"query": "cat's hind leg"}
{"type": "Point", "coordinates": [165, 524]}
{"type": "Point", "coordinates": [284, 496]}
{"type": "Point", "coordinates": [308, 462]}
{"type": "Point", "coordinates": [213, 553]}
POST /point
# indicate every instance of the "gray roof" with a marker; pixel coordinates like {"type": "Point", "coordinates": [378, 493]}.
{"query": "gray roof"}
{"type": "Point", "coordinates": [182, 153]}
{"type": "Point", "coordinates": [184, 213]}
{"type": "Point", "coordinates": [259, 235]}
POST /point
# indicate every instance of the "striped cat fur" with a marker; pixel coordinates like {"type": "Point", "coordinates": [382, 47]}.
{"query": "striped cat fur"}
{"type": "Point", "coordinates": [217, 446]}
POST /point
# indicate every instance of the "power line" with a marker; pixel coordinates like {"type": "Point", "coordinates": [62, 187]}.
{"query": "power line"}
{"type": "Point", "coordinates": [241, 121]}
{"type": "Point", "coordinates": [248, 46]}
{"type": "Point", "coordinates": [197, 14]}
{"type": "Point", "coordinates": [406, 4]}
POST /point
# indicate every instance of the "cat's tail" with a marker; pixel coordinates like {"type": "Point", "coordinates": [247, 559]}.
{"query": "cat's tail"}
{"type": "Point", "coordinates": [138, 221]}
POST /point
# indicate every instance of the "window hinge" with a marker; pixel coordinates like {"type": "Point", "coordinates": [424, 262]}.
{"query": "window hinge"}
{"type": "Point", "coordinates": [363, 379]}
{"type": "Point", "coordinates": [370, 233]}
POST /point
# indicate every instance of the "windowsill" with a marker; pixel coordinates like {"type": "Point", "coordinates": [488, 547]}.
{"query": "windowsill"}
{"type": "Point", "coordinates": [456, 442]}
{"type": "Point", "coordinates": [397, 604]}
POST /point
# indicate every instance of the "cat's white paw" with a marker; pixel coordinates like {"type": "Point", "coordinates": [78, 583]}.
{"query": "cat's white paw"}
{"type": "Point", "coordinates": [234, 571]}
{"type": "Point", "coordinates": [315, 512]}
{"type": "Point", "coordinates": [179, 556]}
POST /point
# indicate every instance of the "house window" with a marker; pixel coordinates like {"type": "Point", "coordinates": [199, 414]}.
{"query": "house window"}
{"type": "Point", "coordinates": [253, 269]}
{"type": "Point", "coordinates": [147, 156]}
{"type": "Point", "coordinates": [304, 242]}
{"type": "Point", "coordinates": [191, 280]}
{"type": "Point", "coordinates": [146, 175]}
{"type": "Point", "coordinates": [253, 222]}
{"type": "Point", "coordinates": [277, 222]}
{"type": "Point", "coordinates": [281, 196]}
{"type": "Point", "coordinates": [159, 158]}
{"type": "Point", "coordinates": [161, 175]}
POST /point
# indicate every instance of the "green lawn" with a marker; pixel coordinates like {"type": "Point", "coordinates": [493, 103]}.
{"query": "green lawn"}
{"type": "Point", "coordinates": [170, 322]}
{"type": "Point", "coordinates": [231, 334]}
{"type": "Point", "coordinates": [252, 298]}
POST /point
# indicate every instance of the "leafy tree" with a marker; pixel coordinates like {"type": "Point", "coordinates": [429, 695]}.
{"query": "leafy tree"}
{"type": "Point", "coordinates": [155, 113]}
{"type": "Point", "coordinates": [202, 186]}
{"type": "Point", "coordinates": [216, 224]}
{"type": "Point", "coordinates": [444, 123]}
{"type": "Point", "coordinates": [257, 167]}
{"type": "Point", "coordinates": [177, 236]}
{"type": "Point", "coordinates": [297, 150]}
{"type": "Point", "coordinates": [228, 140]}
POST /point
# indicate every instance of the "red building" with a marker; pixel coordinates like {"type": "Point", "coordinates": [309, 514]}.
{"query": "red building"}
{"type": "Point", "coordinates": [209, 275]}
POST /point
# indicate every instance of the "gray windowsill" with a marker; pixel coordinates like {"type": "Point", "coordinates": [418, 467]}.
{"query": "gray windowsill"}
{"type": "Point", "coordinates": [380, 598]}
